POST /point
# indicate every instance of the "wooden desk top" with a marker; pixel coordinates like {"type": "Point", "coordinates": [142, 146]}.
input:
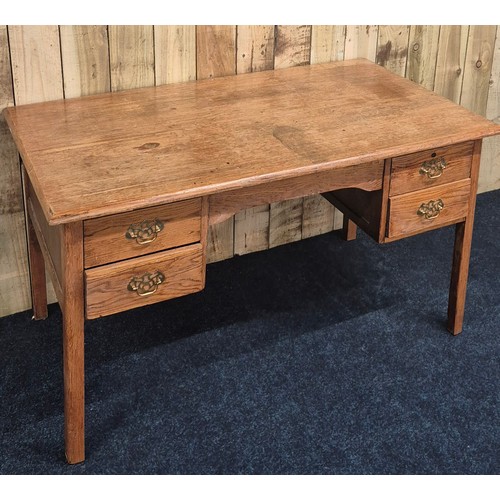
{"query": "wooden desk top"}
{"type": "Point", "coordinates": [113, 152]}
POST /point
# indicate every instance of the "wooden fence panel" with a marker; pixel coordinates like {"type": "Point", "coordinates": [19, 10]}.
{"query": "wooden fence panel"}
{"type": "Point", "coordinates": [422, 55]}
{"type": "Point", "coordinates": [327, 43]}
{"type": "Point", "coordinates": [450, 61]}
{"type": "Point", "coordinates": [392, 48]}
{"type": "Point", "coordinates": [36, 63]}
{"type": "Point", "coordinates": [175, 54]}
{"type": "Point", "coordinates": [85, 60]}
{"type": "Point", "coordinates": [131, 55]}
{"type": "Point", "coordinates": [361, 41]}
{"type": "Point", "coordinates": [477, 68]}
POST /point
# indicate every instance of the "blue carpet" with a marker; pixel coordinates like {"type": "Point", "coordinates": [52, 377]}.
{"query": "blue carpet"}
{"type": "Point", "coordinates": [318, 357]}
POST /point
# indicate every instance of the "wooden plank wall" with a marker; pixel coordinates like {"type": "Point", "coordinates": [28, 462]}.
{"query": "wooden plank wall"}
{"type": "Point", "coordinates": [39, 63]}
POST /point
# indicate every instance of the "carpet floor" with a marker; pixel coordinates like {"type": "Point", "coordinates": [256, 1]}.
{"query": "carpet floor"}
{"type": "Point", "coordinates": [317, 357]}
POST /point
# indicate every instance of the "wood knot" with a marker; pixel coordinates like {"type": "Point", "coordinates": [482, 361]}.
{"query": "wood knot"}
{"type": "Point", "coordinates": [479, 63]}
{"type": "Point", "coordinates": [148, 145]}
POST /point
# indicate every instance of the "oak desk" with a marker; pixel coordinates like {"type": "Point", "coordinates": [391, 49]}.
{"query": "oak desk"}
{"type": "Point", "coordinates": [121, 187]}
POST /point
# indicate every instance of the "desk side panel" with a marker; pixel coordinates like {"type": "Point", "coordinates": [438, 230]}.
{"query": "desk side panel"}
{"type": "Point", "coordinates": [50, 240]}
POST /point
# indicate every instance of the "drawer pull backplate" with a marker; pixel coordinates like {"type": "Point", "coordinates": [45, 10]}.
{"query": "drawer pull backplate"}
{"type": "Point", "coordinates": [146, 284]}
{"type": "Point", "coordinates": [433, 168]}
{"type": "Point", "coordinates": [145, 231]}
{"type": "Point", "coordinates": [431, 210]}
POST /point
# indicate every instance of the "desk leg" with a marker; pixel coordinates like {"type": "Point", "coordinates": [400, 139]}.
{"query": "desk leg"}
{"type": "Point", "coordinates": [461, 253]}
{"type": "Point", "coordinates": [73, 342]}
{"type": "Point", "coordinates": [37, 274]}
{"type": "Point", "coordinates": [459, 273]}
{"type": "Point", "coordinates": [348, 229]}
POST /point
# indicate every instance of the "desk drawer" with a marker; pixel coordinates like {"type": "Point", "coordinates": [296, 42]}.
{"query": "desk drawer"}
{"type": "Point", "coordinates": [430, 168]}
{"type": "Point", "coordinates": [144, 280]}
{"type": "Point", "coordinates": [428, 209]}
{"type": "Point", "coordinates": [131, 234]}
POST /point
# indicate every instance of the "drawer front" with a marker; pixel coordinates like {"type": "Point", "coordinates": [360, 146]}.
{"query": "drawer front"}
{"type": "Point", "coordinates": [428, 209]}
{"type": "Point", "coordinates": [123, 236]}
{"type": "Point", "coordinates": [430, 168]}
{"type": "Point", "coordinates": [144, 280]}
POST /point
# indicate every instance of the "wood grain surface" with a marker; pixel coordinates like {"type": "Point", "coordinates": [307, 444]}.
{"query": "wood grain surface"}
{"type": "Point", "coordinates": [105, 240]}
{"type": "Point", "coordinates": [51, 235]}
{"type": "Point", "coordinates": [85, 60]}
{"type": "Point", "coordinates": [422, 55]}
{"type": "Point", "coordinates": [327, 43]}
{"type": "Point", "coordinates": [204, 146]}
{"type": "Point", "coordinates": [477, 68]}
{"type": "Point", "coordinates": [106, 286]}
{"type": "Point", "coordinates": [392, 48]}
{"type": "Point", "coordinates": [406, 175]}
{"type": "Point", "coordinates": [73, 342]}
{"type": "Point", "coordinates": [450, 61]}
{"type": "Point", "coordinates": [131, 57]}
{"type": "Point", "coordinates": [51, 268]}
{"type": "Point", "coordinates": [403, 218]}
{"type": "Point", "coordinates": [36, 63]}
{"type": "Point", "coordinates": [361, 41]}
{"type": "Point", "coordinates": [255, 48]}
{"type": "Point", "coordinates": [175, 54]}
{"type": "Point", "coordinates": [37, 274]}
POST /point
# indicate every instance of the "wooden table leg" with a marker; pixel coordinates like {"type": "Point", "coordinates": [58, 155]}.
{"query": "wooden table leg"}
{"type": "Point", "coordinates": [37, 274]}
{"type": "Point", "coordinates": [459, 273]}
{"type": "Point", "coordinates": [461, 253]}
{"type": "Point", "coordinates": [348, 229]}
{"type": "Point", "coordinates": [73, 342]}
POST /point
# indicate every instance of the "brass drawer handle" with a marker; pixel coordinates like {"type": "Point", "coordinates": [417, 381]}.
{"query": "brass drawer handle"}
{"type": "Point", "coordinates": [144, 232]}
{"type": "Point", "coordinates": [431, 210]}
{"type": "Point", "coordinates": [146, 284]}
{"type": "Point", "coordinates": [433, 168]}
